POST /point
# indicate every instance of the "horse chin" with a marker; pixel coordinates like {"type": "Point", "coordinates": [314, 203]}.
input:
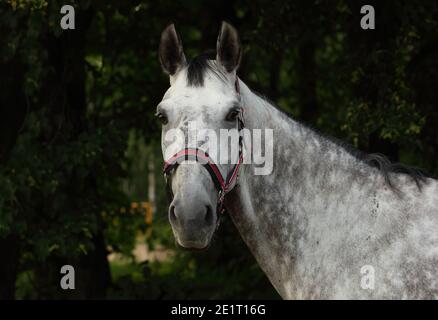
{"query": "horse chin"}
{"type": "Point", "coordinates": [194, 245]}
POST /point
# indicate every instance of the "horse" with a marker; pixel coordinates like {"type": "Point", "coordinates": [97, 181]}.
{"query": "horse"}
{"type": "Point", "coordinates": [328, 222]}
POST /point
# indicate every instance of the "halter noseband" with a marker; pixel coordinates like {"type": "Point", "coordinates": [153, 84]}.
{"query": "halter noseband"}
{"type": "Point", "coordinates": [222, 185]}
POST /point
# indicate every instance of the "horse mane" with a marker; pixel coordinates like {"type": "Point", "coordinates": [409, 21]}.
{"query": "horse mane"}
{"type": "Point", "coordinates": [381, 162]}
{"type": "Point", "coordinates": [199, 65]}
{"type": "Point", "coordinates": [374, 160]}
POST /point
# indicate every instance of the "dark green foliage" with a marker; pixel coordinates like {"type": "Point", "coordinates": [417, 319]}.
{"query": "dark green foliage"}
{"type": "Point", "coordinates": [77, 126]}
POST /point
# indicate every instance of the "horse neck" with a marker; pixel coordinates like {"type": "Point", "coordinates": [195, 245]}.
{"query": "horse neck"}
{"type": "Point", "coordinates": [312, 177]}
{"type": "Point", "coordinates": [305, 162]}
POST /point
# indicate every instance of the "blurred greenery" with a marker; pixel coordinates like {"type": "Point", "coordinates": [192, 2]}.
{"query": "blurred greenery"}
{"type": "Point", "coordinates": [78, 139]}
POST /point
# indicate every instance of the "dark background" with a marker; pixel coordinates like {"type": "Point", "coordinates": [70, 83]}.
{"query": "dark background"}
{"type": "Point", "coordinates": [79, 146]}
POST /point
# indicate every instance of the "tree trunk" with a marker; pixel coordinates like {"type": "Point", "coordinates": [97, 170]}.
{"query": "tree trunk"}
{"type": "Point", "coordinates": [67, 87]}
{"type": "Point", "coordinates": [9, 266]}
{"type": "Point", "coordinates": [274, 74]}
{"type": "Point", "coordinates": [306, 68]}
{"type": "Point", "coordinates": [12, 114]}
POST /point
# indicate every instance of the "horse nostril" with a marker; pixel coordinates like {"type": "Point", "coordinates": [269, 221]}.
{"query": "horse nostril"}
{"type": "Point", "coordinates": [172, 214]}
{"type": "Point", "coordinates": [209, 215]}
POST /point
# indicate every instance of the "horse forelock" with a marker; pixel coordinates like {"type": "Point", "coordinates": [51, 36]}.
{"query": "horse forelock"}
{"type": "Point", "coordinates": [200, 65]}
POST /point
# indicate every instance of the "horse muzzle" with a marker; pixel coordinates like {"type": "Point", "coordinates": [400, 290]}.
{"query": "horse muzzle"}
{"type": "Point", "coordinates": [193, 222]}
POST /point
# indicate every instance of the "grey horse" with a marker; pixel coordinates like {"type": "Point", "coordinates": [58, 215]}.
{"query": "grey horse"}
{"type": "Point", "coordinates": [328, 222]}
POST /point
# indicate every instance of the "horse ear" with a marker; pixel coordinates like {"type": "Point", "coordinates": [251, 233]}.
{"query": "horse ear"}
{"type": "Point", "coordinates": [171, 51]}
{"type": "Point", "coordinates": [228, 48]}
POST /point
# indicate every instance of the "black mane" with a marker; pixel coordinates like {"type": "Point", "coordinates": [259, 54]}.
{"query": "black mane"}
{"type": "Point", "coordinates": [375, 160]}
{"type": "Point", "coordinates": [198, 66]}
{"type": "Point", "coordinates": [383, 164]}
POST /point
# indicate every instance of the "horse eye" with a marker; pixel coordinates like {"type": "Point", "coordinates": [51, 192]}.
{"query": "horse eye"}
{"type": "Point", "coordinates": [162, 117]}
{"type": "Point", "coordinates": [232, 115]}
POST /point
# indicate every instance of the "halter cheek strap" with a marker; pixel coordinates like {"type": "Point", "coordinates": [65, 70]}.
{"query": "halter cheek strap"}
{"type": "Point", "coordinates": [223, 185]}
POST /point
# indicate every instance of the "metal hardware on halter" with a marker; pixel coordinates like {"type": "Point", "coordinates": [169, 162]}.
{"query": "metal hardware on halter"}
{"type": "Point", "coordinates": [220, 202]}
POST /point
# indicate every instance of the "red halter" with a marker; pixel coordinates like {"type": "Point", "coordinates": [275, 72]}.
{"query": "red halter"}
{"type": "Point", "coordinates": [222, 185]}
